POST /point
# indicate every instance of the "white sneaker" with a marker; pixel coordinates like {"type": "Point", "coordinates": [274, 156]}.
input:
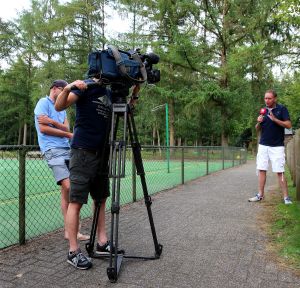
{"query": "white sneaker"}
{"type": "Point", "coordinates": [288, 201]}
{"type": "Point", "coordinates": [256, 198]}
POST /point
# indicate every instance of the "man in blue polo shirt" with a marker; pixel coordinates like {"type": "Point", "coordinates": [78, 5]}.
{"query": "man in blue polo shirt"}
{"type": "Point", "coordinates": [271, 145]}
{"type": "Point", "coordinates": [53, 136]}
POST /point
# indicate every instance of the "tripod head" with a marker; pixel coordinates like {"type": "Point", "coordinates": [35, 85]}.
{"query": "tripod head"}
{"type": "Point", "coordinates": [119, 92]}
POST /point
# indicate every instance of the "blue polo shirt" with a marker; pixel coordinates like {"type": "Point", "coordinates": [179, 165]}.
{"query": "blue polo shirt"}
{"type": "Point", "coordinates": [93, 116]}
{"type": "Point", "coordinates": [45, 106]}
{"type": "Point", "coordinates": [272, 134]}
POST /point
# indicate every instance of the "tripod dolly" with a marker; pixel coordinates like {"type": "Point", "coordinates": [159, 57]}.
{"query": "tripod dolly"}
{"type": "Point", "coordinates": [117, 158]}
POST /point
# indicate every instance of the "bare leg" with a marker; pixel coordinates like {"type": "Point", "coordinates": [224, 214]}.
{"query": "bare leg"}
{"type": "Point", "coordinates": [72, 224]}
{"type": "Point", "coordinates": [101, 229]}
{"type": "Point", "coordinates": [283, 184]}
{"type": "Point", "coordinates": [262, 176]}
{"type": "Point", "coordinates": [65, 188]}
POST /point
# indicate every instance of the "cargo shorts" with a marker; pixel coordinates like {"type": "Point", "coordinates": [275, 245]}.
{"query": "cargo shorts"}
{"type": "Point", "coordinates": [88, 174]}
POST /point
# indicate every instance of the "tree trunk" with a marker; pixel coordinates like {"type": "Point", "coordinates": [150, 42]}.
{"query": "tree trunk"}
{"type": "Point", "coordinates": [153, 136]}
{"type": "Point", "coordinates": [172, 122]}
{"type": "Point", "coordinates": [25, 134]}
{"type": "Point", "coordinates": [158, 141]}
{"type": "Point", "coordinates": [20, 134]}
{"type": "Point", "coordinates": [179, 141]}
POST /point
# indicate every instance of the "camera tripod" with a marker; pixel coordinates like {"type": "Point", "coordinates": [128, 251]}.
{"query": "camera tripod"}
{"type": "Point", "coordinates": [117, 158]}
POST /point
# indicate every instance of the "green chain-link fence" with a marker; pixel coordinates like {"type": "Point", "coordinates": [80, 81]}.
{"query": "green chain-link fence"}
{"type": "Point", "coordinates": [30, 198]}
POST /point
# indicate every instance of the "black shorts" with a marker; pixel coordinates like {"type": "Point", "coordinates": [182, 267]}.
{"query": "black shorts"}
{"type": "Point", "coordinates": [88, 174]}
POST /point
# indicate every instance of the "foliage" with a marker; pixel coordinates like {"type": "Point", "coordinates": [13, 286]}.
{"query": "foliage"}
{"type": "Point", "coordinates": [216, 61]}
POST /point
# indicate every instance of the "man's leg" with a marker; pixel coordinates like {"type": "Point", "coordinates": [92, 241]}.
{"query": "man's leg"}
{"type": "Point", "coordinates": [283, 184]}
{"type": "Point", "coordinates": [75, 256]}
{"type": "Point", "coordinates": [72, 224]}
{"type": "Point", "coordinates": [101, 229]}
{"type": "Point", "coordinates": [262, 176]}
{"type": "Point", "coordinates": [65, 188]}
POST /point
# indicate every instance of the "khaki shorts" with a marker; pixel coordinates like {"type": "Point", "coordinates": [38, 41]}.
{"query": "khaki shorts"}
{"type": "Point", "coordinates": [88, 175]}
{"type": "Point", "coordinates": [275, 155]}
{"type": "Point", "coordinates": [58, 161]}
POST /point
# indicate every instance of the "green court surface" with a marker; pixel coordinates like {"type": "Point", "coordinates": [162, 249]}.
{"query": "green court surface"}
{"type": "Point", "coordinates": [43, 196]}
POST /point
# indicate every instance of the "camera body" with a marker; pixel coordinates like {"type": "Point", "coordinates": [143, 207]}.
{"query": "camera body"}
{"type": "Point", "coordinates": [114, 66]}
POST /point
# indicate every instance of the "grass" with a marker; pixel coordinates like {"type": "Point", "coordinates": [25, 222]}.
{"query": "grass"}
{"type": "Point", "coordinates": [285, 229]}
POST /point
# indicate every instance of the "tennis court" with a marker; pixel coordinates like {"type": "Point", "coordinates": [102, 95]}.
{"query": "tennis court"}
{"type": "Point", "coordinates": [42, 200]}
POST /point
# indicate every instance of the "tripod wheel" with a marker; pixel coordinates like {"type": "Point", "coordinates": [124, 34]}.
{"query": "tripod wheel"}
{"type": "Point", "coordinates": [112, 274]}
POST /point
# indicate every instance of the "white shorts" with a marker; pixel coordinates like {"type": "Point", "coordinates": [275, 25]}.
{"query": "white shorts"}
{"type": "Point", "coordinates": [274, 154]}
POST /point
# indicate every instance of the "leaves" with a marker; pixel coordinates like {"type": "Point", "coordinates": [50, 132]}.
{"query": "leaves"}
{"type": "Point", "coordinates": [216, 60]}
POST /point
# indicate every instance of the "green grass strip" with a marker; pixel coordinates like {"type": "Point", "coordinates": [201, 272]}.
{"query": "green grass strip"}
{"type": "Point", "coordinates": [286, 228]}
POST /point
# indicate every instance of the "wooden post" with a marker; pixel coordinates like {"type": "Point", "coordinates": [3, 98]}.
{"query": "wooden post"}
{"type": "Point", "coordinates": [297, 157]}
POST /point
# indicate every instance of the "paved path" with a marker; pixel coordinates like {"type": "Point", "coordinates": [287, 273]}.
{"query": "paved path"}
{"type": "Point", "coordinates": [210, 237]}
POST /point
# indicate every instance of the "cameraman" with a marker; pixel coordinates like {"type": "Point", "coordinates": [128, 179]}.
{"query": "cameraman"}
{"type": "Point", "coordinates": [89, 159]}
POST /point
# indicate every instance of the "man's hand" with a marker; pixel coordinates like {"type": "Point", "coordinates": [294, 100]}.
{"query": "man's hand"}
{"type": "Point", "coordinates": [286, 124]}
{"type": "Point", "coordinates": [134, 96]}
{"type": "Point", "coordinates": [260, 118]}
{"type": "Point", "coordinates": [272, 117]}
{"type": "Point", "coordinates": [81, 85]}
{"type": "Point", "coordinates": [45, 120]}
{"type": "Point", "coordinates": [69, 135]}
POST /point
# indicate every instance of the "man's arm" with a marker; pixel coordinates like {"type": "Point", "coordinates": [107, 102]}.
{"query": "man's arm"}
{"type": "Point", "coordinates": [66, 98]}
{"type": "Point", "coordinates": [46, 129]}
{"type": "Point", "coordinates": [45, 120]}
{"type": "Point", "coordinates": [260, 119]}
{"type": "Point", "coordinates": [286, 123]}
{"type": "Point", "coordinates": [135, 95]}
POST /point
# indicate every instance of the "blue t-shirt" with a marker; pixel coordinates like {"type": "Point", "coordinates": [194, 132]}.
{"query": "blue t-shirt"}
{"type": "Point", "coordinates": [93, 111]}
{"type": "Point", "coordinates": [45, 106]}
{"type": "Point", "coordinates": [272, 134]}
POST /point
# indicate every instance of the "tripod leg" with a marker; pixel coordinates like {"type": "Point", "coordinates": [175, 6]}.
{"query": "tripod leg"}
{"type": "Point", "coordinates": [90, 245]}
{"type": "Point", "coordinates": [141, 172]}
{"type": "Point", "coordinates": [117, 170]}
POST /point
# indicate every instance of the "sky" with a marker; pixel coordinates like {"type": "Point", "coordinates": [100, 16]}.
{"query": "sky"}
{"type": "Point", "coordinates": [10, 9]}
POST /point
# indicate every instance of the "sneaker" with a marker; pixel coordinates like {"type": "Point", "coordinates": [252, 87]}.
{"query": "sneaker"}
{"type": "Point", "coordinates": [79, 261]}
{"type": "Point", "coordinates": [256, 198]}
{"type": "Point", "coordinates": [288, 201]}
{"type": "Point", "coordinates": [105, 249]}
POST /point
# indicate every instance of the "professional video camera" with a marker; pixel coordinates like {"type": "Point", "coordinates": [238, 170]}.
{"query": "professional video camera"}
{"type": "Point", "coordinates": [116, 67]}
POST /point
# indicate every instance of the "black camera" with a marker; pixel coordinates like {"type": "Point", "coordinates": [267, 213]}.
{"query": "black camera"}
{"type": "Point", "coordinates": [114, 66]}
{"type": "Point", "coordinates": [153, 75]}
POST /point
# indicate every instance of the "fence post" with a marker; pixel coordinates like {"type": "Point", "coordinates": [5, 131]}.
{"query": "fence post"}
{"type": "Point", "coordinates": [182, 165]}
{"type": "Point", "coordinates": [240, 156]}
{"type": "Point", "coordinates": [207, 168]}
{"type": "Point", "coordinates": [232, 156]}
{"type": "Point", "coordinates": [297, 155]}
{"type": "Point", "coordinates": [223, 157]}
{"type": "Point", "coordinates": [293, 160]}
{"type": "Point", "coordinates": [133, 178]}
{"type": "Point", "coordinates": [22, 175]}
